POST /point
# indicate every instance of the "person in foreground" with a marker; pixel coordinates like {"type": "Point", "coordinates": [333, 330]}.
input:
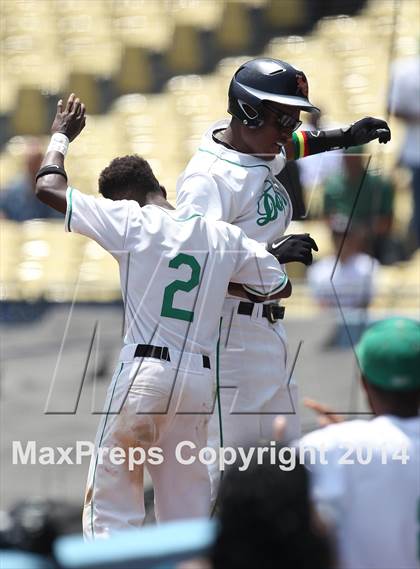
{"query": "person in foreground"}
{"type": "Point", "coordinates": [266, 518]}
{"type": "Point", "coordinates": [368, 487]}
{"type": "Point", "coordinates": [175, 269]}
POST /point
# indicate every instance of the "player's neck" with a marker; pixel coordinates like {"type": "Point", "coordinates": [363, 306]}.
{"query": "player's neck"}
{"type": "Point", "coordinates": [232, 138]}
{"type": "Point", "coordinates": [154, 198]}
{"type": "Point", "coordinates": [229, 139]}
{"type": "Point", "coordinates": [402, 405]}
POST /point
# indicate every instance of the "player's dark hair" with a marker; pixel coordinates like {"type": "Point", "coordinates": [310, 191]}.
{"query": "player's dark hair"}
{"type": "Point", "coordinates": [267, 520]}
{"type": "Point", "coordinates": [127, 176]}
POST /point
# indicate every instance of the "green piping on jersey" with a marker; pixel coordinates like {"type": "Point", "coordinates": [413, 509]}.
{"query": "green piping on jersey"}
{"type": "Point", "coordinates": [100, 442]}
{"type": "Point", "coordinates": [234, 163]}
{"type": "Point", "coordinates": [188, 218]}
{"type": "Point", "coordinates": [70, 209]}
{"type": "Point", "coordinates": [218, 384]}
{"type": "Point", "coordinates": [219, 409]}
{"type": "Point", "coordinates": [268, 293]}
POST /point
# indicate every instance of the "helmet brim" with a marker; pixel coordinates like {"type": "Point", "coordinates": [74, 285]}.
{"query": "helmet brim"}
{"type": "Point", "coordinates": [290, 100]}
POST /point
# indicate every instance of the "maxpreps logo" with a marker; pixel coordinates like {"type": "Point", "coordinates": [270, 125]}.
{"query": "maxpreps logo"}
{"type": "Point", "coordinates": [270, 204]}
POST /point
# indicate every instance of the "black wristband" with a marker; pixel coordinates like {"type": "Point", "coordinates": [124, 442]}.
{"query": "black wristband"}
{"type": "Point", "coordinates": [323, 140]}
{"type": "Point", "coordinates": [50, 169]}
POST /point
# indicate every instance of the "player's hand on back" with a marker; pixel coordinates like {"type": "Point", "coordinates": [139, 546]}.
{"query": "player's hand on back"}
{"type": "Point", "coordinates": [71, 119]}
{"type": "Point", "coordinates": [297, 248]}
{"type": "Point", "coordinates": [325, 414]}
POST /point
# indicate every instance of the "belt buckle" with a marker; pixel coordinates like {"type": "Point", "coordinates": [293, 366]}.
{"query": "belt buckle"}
{"type": "Point", "coordinates": [270, 314]}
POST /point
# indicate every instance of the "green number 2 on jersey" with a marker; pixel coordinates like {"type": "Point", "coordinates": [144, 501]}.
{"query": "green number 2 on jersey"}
{"type": "Point", "coordinates": [168, 309]}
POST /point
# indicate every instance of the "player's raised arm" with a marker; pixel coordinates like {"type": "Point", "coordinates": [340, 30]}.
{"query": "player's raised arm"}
{"type": "Point", "coordinates": [305, 143]}
{"type": "Point", "coordinates": [51, 179]}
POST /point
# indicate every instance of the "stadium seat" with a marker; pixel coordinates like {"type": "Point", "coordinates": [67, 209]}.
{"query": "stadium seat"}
{"type": "Point", "coordinates": [290, 15]}
{"type": "Point", "coordinates": [30, 115]}
{"type": "Point", "coordinates": [100, 49]}
{"type": "Point", "coordinates": [235, 34]}
{"type": "Point", "coordinates": [142, 23]}
{"type": "Point", "coordinates": [135, 74]}
{"type": "Point", "coordinates": [187, 53]}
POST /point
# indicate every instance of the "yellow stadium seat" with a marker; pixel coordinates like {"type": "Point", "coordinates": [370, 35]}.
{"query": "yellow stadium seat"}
{"type": "Point", "coordinates": [30, 113]}
{"type": "Point", "coordinates": [86, 86]}
{"type": "Point", "coordinates": [235, 33]}
{"type": "Point", "coordinates": [142, 23]}
{"type": "Point", "coordinates": [186, 53]}
{"type": "Point", "coordinates": [287, 14]}
{"type": "Point", "coordinates": [135, 74]}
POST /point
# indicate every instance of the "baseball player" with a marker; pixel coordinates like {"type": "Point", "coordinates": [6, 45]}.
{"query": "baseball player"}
{"type": "Point", "coordinates": [368, 481]}
{"type": "Point", "coordinates": [232, 177]}
{"type": "Point", "coordinates": [175, 268]}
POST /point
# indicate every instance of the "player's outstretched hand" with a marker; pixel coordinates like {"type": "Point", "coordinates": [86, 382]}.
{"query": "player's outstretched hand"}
{"type": "Point", "coordinates": [296, 248]}
{"type": "Point", "coordinates": [368, 129]}
{"type": "Point", "coordinates": [70, 121]}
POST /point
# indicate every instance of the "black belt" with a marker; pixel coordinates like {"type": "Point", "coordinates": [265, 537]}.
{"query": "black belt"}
{"type": "Point", "coordinates": [159, 353]}
{"type": "Point", "coordinates": [272, 312]}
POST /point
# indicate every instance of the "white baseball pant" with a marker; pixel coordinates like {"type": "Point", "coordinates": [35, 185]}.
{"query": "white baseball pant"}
{"type": "Point", "coordinates": [254, 383]}
{"type": "Point", "coordinates": [150, 402]}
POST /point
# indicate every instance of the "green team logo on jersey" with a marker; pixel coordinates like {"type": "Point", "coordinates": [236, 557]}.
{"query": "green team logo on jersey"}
{"type": "Point", "coordinates": [270, 204]}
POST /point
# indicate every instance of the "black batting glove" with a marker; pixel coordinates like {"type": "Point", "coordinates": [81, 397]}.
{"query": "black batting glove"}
{"type": "Point", "coordinates": [367, 129]}
{"type": "Point", "coordinates": [297, 248]}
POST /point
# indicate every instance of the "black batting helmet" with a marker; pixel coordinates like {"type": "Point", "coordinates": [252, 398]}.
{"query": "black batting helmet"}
{"type": "Point", "coordinates": [266, 79]}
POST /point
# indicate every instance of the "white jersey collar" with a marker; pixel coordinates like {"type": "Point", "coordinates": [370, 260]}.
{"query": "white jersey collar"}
{"type": "Point", "coordinates": [207, 144]}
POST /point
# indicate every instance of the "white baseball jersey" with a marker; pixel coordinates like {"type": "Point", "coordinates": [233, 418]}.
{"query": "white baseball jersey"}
{"type": "Point", "coordinates": [370, 489]}
{"type": "Point", "coordinates": [175, 267]}
{"type": "Point", "coordinates": [224, 184]}
{"type": "Point", "coordinates": [238, 188]}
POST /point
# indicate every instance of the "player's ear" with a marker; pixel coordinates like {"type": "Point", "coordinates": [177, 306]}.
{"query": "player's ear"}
{"type": "Point", "coordinates": [163, 190]}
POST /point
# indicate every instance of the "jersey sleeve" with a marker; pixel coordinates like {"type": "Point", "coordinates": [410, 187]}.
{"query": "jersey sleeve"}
{"type": "Point", "coordinates": [208, 195]}
{"type": "Point", "coordinates": [257, 270]}
{"type": "Point", "coordinates": [103, 220]}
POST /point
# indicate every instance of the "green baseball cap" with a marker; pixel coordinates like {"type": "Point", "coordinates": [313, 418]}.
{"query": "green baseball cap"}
{"type": "Point", "coordinates": [389, 354]}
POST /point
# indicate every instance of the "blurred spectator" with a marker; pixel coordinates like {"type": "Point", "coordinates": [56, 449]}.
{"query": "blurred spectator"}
{"type": "Point", "coordinates": [368, 484]}
{"type": "Point", "coordinates": [352, 272]}
{"type": "Point", "coordinates": [367, 199]}
{"type": "Point", "coordinates": [345, 280]}
{"type": "Point", "coordinates": [18, 201]}
{"type": "Point", "coordinates": [266, 520]}
{"type": "Point", "coordinates": [404, 103]}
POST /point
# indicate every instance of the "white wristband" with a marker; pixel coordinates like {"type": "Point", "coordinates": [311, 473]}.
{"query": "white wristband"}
{"type": "Point", "coordinates": [59, 143]}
